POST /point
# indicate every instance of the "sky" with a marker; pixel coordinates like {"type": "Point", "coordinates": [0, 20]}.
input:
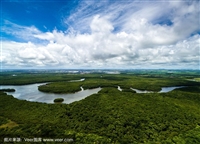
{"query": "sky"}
{"type": "Point", "coordinates": [100, 34]}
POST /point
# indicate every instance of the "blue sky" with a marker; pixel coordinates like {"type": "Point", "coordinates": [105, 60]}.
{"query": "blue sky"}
{"type": "Point", "coordinates": [100, 34]}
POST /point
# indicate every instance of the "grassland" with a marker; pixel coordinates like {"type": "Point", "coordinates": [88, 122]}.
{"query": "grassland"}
{"type": "Point", "coordinates": [111, 116]}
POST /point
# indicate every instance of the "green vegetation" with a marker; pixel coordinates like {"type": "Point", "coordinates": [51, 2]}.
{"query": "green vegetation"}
{"type": "Point", "coordinates": [192, 89]}
{"type": "Point", "coordinates": [123, 80]}
{"type": "Point", "coordinates": [197, 79]}
{"type": "Point", "coordinates": [111, 116]}
{"type": "Point", "coordinates": [60, 87]}
{"type": "Point", "coordinates": [7, 90]}
{"type": "Point", "coordinates": [3, 120]}
{"type": "Point", "coordinates": [30, 78]}
{"type": "Point", "coordinates": [58, 100]}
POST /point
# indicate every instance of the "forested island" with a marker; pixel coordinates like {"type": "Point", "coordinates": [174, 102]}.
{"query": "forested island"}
{"type": "Point", "coordinates": [111, 115]}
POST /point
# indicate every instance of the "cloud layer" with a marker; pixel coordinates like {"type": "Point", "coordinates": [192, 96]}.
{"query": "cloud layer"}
{"type": "Point", "coordinates": [110, 35]}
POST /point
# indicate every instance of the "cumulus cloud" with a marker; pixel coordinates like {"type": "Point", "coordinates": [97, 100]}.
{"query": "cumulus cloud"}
{"type": "Point", "coordinates": [125, 35]}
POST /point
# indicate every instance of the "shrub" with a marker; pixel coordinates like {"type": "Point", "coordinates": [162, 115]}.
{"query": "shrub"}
{"type": "Point", "coordinates": [59, 100]}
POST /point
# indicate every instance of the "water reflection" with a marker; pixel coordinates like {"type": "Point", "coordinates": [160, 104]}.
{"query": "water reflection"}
{"type": "Point", "coordinates": [141, 91]}
{"type": "Point", "coordinates": [168, 89]}
{"type": "Point", "coordinates": [31, 93]}
{"type": "Point", "coordinates": [163, 90]}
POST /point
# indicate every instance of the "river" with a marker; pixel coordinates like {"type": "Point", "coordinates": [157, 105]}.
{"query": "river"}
{"type": "Point", "coordinates": [163, 90]}
{"type": "Point", "coordinates": [31, 93]}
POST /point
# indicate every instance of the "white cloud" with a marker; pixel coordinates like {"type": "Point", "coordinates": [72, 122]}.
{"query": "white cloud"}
{"type": "Point", "coordinates": [23, 32]}
{"type": "Point", "coordinates": [99, 24]}
{"type": "Point", "coordinates": [140, 42]}
{"type": "Point", "coordinates": [104, 53]}
{"type": "Point", "coordinates": [44, 36]}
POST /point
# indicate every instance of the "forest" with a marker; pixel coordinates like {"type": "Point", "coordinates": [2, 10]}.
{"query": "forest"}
{"type": "Point", "coordinates": [110, 116]}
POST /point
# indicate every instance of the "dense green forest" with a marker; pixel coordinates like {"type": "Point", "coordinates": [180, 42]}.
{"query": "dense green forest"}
{"type": "Point", "coordinates": [110, 116]}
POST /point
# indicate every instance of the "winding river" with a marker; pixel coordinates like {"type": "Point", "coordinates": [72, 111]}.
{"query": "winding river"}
{"type": "Point", "coordinates": [31, 93]}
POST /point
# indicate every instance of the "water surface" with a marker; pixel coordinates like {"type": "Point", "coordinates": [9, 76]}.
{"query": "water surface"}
{"type": "Point", "coordinates": [31, 93]}
{"type": "Point", "coordinates": [168, 89]}
{"type": "Point", "coordinates": [163, 90]}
